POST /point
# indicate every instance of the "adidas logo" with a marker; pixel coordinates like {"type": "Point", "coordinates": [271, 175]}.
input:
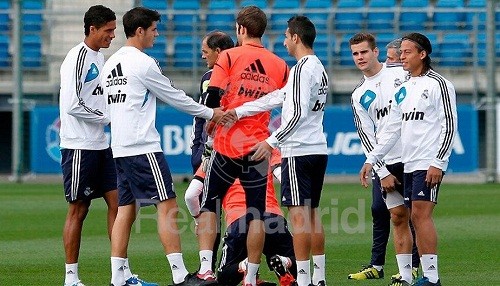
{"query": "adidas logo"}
{"type": "Point", "coordinates": [302, 271]}
{"type": "Point", "coordinates": [421, 193]}
{"type": "Point", "coordinates": [407, 266]}
{"type": "Point", "coordinates": [70, 272]}
{"type": "Point", "coordinates": [174, 267]}
{"type": "Point", "coordinates": [116, 77]}
{"type": "Point", "coordinates": [256, 72]}
{"type": "Point", "coordinates": [121, 268]}
{"type": "Point", "coordinates": [204, 259]}
{"type": "Point", "coordinates": [432, 267]}
{"type": "Point", "coordinates": [316, 266]}
{"type": "Point", "coordinates": [256, 67]}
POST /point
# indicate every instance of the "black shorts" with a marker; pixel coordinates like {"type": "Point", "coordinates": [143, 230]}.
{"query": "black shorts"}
{"type": "Point", "coordinates": [221, 174]}
{"type": "Point", "coordinates": [87, 174]}
{"type": "Point", "coordinates": [302, 180]}
{"type": "Point", "coordinates": [278, 240]}
{"type": "Point", "coordinates": [416, 188]}
{"type": "Point", "coordinates": [144, 177]}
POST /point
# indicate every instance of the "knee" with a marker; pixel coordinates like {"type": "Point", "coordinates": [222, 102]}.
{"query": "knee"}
{"type": "Point", "coordinates": [78, 210]}
{"type": "Point", "coordinates": [399, 217]}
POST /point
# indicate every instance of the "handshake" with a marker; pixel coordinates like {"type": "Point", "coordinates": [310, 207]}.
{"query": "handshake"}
{"type": "Point", "coordinates": [226, 118]}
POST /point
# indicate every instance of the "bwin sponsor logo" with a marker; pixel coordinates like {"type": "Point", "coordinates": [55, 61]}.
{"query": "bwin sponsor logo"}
{"type": "Point", "coordinates": [382, 112]}
{"type": "Point", "coordinates": [318, 106]}
{"type": "Point", "coordinates": [117, 98]}
{"type": "Point", "coordinates": [413, 115]}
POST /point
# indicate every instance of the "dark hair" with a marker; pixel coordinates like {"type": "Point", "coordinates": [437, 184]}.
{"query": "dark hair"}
{"type": "Point", "coordinates": [97, 16]}
{"type": "Point", "coordinates": [218, 39]}
{"type": "Point", "coordinates": [139, 17]}
{"type": "Point", "coordinates": [423, 44]}
{"type": "Point", "coordinates": [304, 28]}
{"type": "Point", "coordinates": [363, 37]}
{"type": "Point", "coordinates": [254, 20]}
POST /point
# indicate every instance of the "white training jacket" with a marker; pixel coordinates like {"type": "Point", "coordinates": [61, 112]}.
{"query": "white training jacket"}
{"type": "Point", "coordinates": [371, 104]}
{"type": "Point", "coordinates": [303, 101]}
{"type": "Point", "coordinates": [132, 81]}
{"type": "Point", "coordinates": [424, 115]}
{"type": "Point", "coordinates": [81, 102]}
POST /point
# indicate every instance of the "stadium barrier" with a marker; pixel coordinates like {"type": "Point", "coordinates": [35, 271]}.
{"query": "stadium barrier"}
{"type": "Point", "coordinates": [344, 148]}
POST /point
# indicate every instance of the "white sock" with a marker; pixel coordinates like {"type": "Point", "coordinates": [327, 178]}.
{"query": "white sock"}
{"type": "Point", "coordinates": [126, 270]}
{"type": "Point", "coordinates": [205, 261]}
{"type": "Point", "coordinates": [117, 278]}
{"type": "Point", "coordinates": [404, 266]}
{"type": "Point", "coordinates": [429, 264]}
{"type": "Point", "coordinates": [318, 268]}
{"type": "Point", "coordinates": [177, 266]}
{"type": "Point", "coordinates": [303, 273]}
{"type": "Point", "coordinates": [71, 273]}
{"type": "Point", "coordinates": [378, 267]}
{"type": "Point", "coordinates": [251, 277]}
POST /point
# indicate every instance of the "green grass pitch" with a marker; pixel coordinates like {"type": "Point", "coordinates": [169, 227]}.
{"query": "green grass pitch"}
{"type": "Point", "coordinates": [32, 217]}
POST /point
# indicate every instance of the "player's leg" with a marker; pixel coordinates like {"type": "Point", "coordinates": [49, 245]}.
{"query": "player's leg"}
{"type": "Point", "coordinates": [77, 166]}
{"type": "Point", "coordinates": [424, 200]}
{"type": "Point", "coordinates": [318, 233]}
{"type": "Point", "coordinates": [253, 178]}
{"type": "Point", "coordinates": [108, 186]}
{"type": "Point", "coordinates": [233, 261]}
{"type": "Point", "coordinates": [220, 175]}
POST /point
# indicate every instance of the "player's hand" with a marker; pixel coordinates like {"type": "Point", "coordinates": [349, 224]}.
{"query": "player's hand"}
{"type": "Point", "coordinates": [364, 174]}
{"type": "Point", "coordinates": [434, 176]}
{"type": "Point", "coordinates": [218, 113]}
{"type": "Point", "coordinates": [229, 118]}
{"type": "Point", "coordinates": [262, 151]}
{"type": "Point", "coordinates": [389, 183]}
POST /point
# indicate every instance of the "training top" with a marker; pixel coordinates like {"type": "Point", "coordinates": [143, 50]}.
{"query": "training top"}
{"type": "Point", "coordinates": [303, 103]}
{"type": "Point", "coordinates": [244, 74]}
{"type": "Point", "coordinates": [371, 103]}
{"type": "Point", "coordinates": [132, 81]}
{"type": "Point", "coordinates": [424, 115]}
{"type": "Point", "coordinates": [198, 134]}
{"type": "Point", "coordinates": [81, 102]}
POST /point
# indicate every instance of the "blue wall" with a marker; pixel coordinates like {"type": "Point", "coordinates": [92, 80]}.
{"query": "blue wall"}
{"type": "Point", "coordinates": [345, 153]}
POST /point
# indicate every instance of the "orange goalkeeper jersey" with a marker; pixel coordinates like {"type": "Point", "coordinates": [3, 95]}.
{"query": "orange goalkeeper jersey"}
{"type": "Point", "coordinates": [244, 74]}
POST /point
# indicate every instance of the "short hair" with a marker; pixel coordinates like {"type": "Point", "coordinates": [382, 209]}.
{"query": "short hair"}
{"type": "Point", "coordinates": [254, 20]}
{"type": "Point", "coordinates": [219, 39]}
{"type": "Point", "coordinates": [139, 17]}
{"type": "Point", "coordinates": [97, 16]}
{"type": "Point", "coordinates": [395, 44]}
{"type": "Point", "coordinates": [303, 28]}
{"type": "Point", "coordinates": [363, 37]}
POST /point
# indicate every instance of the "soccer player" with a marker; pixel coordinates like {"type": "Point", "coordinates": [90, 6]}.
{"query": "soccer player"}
{"type": "Point", "coordinates": [87, 161]}
{"type": "Point", "coordinates": [424, 115]}
{"type": "Point", "coordinates": [303, 146]}
{"type": "Point", "coordinates": [213, 43]}
{"type": "Point", "coordinates": [393, 51]}
{"type": "Point", "coordinates": [240, 75]}
{"type": "Point", "coordinates": [132, 81]}
{"type": "Point", "coordinates": [371, 102]}
{"type": "Point", "coordinates": [278, 245]}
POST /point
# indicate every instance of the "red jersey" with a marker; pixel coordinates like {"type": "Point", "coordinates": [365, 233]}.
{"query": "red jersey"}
{"type": "Point", "coordinates": [245, 73]}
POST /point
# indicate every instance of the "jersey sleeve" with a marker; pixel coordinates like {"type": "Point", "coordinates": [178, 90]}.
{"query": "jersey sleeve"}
{"type": "Point", "coordinates": [365, 128]}
{"type": "Point", "coordinates": [388, 136]}
{"type": "Point", "coordinates": [72, 82]}
{"type": "Point", "coordinates": [446, 105]}
{"type": "Point", "coordinates": [267, 102]}
{"type": "Point", "coordinates": [161, 87]}
{"type": "Point", "coordinates": [220, 72]}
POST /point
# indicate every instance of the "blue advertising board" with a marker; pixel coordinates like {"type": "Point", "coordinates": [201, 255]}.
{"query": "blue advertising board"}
{"type": "Point", "coordinates": [344, 148]}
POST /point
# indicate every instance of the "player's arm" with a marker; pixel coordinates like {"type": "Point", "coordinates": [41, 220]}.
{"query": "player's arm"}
{"type": "Point", "coordinates": [161, 86]}
{"type": "Point", "coordinates": [269, 101]}
{"type": "Point", "coordinates": [447, 108]}
{"type": "Point", "coordinates": [388, 136]}
{"type": "Point", "coordinates": [72, 83]}
{"type": "Point", "coordinates": [365, 127]}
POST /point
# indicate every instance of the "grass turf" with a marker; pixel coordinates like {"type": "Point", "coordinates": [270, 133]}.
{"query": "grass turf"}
{"type": "Point", "coordinates": [32, 217]}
